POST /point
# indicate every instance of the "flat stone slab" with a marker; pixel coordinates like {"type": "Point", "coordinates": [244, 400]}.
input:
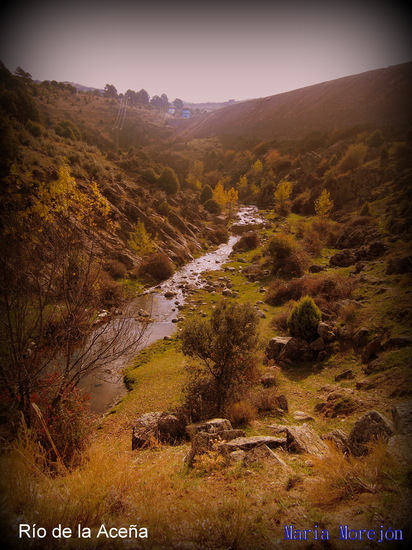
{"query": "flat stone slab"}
{"type": "Point", "coordinates": [248, 443]}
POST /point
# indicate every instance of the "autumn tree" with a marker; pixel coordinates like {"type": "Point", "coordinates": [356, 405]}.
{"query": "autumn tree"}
{"type": "Point", "coordinates": [282, 195]}
{"type": "Point", "coordinates": [140, 241]}
{"type": "Point", "coordinates": [323, 205]}
{"type": "Point", "coordinates": [52, 289]}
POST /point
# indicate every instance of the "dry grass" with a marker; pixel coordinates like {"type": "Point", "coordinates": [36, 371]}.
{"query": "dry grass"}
{"type": "Point", "coordinates": [149, 488]}
{"type": "Point", "coordinates": [341, 477]}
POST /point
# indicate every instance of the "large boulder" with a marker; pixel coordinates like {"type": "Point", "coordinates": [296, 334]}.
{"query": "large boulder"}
{"type": "Point", "coordinates": [304, 439]}
{"type": "Point", "coordinates": [368, 428]}
{"type": "Point", "coordinates": [163, 427]}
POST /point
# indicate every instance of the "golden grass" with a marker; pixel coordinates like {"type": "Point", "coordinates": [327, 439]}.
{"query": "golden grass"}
{"type": "Point", "coordinates": [340, 477]}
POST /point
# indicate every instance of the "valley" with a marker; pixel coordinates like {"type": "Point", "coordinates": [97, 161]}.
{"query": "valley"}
{"type": "Point", "coordinates": [252, 265]}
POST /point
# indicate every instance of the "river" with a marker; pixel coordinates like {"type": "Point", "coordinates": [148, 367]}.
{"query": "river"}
{"type": "Point", "coordinates": [162, 304]}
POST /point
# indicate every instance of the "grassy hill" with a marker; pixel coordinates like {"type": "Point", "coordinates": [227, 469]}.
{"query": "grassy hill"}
{"type": "Point", "coordinates": [379, 97]}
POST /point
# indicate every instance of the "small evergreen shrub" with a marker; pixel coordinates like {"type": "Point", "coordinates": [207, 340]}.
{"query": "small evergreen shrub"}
{"type": "Point", "coordinates": [304, 320]}
{"type": "Point", "coordinates": [168, 181]}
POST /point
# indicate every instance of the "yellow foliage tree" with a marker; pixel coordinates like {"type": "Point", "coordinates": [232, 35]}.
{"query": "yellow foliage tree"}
{"type": "Point", "coordinates": [282, 195]}
{"type": "Point", "coordinates": [323, 205]}
{"type": "Point", "coordinates": [140, 241]}
{"type": "Point", "coordinates": [220, 194]}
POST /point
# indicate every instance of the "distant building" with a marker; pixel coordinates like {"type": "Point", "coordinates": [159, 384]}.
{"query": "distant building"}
{"type": "Point", "coordinates": [185, 113]}
{"type": "Point", "coordinates": [171, 110]}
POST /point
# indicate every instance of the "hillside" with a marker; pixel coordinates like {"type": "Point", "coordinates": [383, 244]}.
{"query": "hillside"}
{"type": "Point", "coordinates": [379, 97]}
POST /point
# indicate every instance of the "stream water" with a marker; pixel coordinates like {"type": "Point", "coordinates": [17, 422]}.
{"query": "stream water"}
{"type": "Point", "coordinates": [162, 304]}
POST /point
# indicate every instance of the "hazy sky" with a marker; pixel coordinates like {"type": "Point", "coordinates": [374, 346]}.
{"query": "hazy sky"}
{"type": "Point", "coordinates": [202, 51]}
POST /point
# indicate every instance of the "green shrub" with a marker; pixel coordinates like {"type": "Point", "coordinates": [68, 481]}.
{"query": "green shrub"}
{"type": "Point", "coordinates": [67, 129]}
{"type": "Point", "coordinates": [34, 128]}
{"type": "Point", "coordinates": [375, 139]}
{"type": "Point", "coordinates": [304, 320]}
{"type": "Point", "coordinates": [353, 157]}
{"type": "Point", "coordinates": [168, 181]}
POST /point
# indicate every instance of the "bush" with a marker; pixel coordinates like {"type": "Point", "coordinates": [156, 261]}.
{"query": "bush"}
{"type": "Point", "coordinates": [304, 320]}
{"type": "Point", "coordinates": [212, 206]}
{"type": "Point", "coordinates": [266, 400]}
{"type": "Point", "coordinates": [34, 128]}
{"type": "Point", "coordinates": [168, 181]}
{"type": "Point", "coordinates": [287, 258]}
{"type": "Point", "coordinates": [353, 157]}
{"type": "Point", "coordinates": [68, 129]}
{"type": "Point", "coordinates": [225, 347]}
{"type": "Point", "coordinates": [327, 290]}
{"type": "Point", "coordinates": [248, 241]}
{"type": "Point", "coordinates": [219, 236]}
{"type": "Point", "coordinates": [158, 266]}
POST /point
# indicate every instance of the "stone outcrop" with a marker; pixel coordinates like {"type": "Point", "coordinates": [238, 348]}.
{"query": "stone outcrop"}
{"type": "Point", "coordinates": [151, 427]}
{"type": "Point", "coordinates": [248, 443]}
{"type": "Point", "coordinates": [402, 418]}
{"type": "Point", "coordinates": [370, 427]}
{"type": "Point", "coordinates": [338, 438]}
{"type": "Point", "coordinates": [275, 346]}
{"type": "Point", "coordinates": [304, 439]}
{"type": "Point", "coordinates": [202, 442]}
{"type": "Point", "coordinates": [212, 426]}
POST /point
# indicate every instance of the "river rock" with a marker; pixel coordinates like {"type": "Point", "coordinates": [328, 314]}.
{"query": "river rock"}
{"type": "Point", "coordinates": [370, 427]}
{"type": "Point", "coordinates": [295, 350]}
{"type": "Point", "coordinates": [325, 331]}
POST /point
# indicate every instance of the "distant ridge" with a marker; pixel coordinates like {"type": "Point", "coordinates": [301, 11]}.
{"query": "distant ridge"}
{"type": "Point", "coordinates": [380, 97]}
{"type": "Point", "coordinates": [82, 88]}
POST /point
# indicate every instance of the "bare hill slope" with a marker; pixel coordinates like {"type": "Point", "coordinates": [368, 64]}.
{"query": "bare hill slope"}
{"type": "Point", "coordinates": [380, 97]}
